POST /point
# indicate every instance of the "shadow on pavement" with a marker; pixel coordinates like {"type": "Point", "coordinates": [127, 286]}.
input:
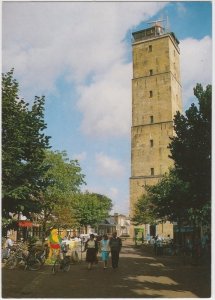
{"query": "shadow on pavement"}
{"type": "Point", "coordinates": [140, 275]}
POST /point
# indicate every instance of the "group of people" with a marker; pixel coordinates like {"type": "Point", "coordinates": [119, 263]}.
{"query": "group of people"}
{"type": "Point", "coordinates": [59, 243]}
{"type": "Point", "coordinates": [94, 246]}
{"type": "Point", "coordinates": [105, 246]}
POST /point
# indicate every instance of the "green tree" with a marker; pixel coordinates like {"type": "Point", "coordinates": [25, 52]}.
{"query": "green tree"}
{"type": "Point", "coordinates": [23, 145]}
{"type": "Point", "coordinates": [164, 201]}
{"type": "Point", "coordinates": [191, 151]}
{"type": "Point", "coordinates": [63, 180]}
{"type": "Point", "coordinates": [144, 211]}
{"type": "Point", "coordinates": [170, 198]}
{"type": "Point", "coordinates": [184, 194]}
{"type": "Point", "coordinates": [91, 208]}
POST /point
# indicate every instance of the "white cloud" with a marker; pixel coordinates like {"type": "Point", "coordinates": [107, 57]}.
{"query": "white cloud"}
{"type": "Point", "coordinates": [113, 192]}
{"type": "Point", "coordinates": [120, 205]}
{"type": "Point", "coordinates": [45, 40]}
{"type": "Point", "coordinates": [196, 65]}
{"type": "Point", "coordinates": [83, 41]}
{"type": "Point", "coordinates": [106, 103]}
{"type": "Point", "coordinates": [108, 167]}
{"type": "Point", "coordinates": [80, 156]}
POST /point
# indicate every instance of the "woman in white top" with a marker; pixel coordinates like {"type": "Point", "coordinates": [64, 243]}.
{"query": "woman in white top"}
{"type": "Point", "coordinates": [91, 246]}
{"type": "Point", "coordinates": [105, 250]}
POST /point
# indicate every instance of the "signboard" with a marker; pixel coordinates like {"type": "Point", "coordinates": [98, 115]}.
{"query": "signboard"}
{"type": "Point", "coordinates": [139, 233]}
{"type": "Point", "coordinates": [183, 229]}
{"type": "Point", "coordinates": [25, 223]}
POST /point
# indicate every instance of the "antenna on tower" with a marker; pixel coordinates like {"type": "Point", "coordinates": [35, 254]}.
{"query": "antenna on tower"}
{"type": "Point", "coordinates": [159, 29]}
{"type": "Point", "coordinates": [167, 24]}
{"type": "Point", "coordinates": [164, 26]}
{"type": "Point", "coordinates": [156, 23]}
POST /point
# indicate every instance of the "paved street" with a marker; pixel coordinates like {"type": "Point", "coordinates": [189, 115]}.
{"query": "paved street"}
{"type": "Point", "coordinates": [140, 274]}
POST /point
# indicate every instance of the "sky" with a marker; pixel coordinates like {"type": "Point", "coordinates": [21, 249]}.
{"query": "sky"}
{"type": "Point", "coordinates": [79, 55]}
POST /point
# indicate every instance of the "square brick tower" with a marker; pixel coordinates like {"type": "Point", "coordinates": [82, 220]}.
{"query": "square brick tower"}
{"type": "Point", "coordinates": [156, 96]}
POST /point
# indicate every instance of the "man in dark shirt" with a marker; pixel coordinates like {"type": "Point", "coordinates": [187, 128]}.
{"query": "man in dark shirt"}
{"type": "Point", "coordinates": [115, 248]}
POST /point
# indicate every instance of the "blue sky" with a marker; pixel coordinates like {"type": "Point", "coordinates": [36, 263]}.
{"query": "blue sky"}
{"type": "Point", "coordinates": [78, 54]}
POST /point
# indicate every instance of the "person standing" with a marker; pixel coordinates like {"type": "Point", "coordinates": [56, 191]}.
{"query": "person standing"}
{"type": "Point", "coordinates": [105, 250]}
{"type": "Point", "coordinates": [73, 245]}
{"type": "Point", "coordinates": [91, 246]}
{"type": "Point", "coordinates": [115, 248]}
{"type": "Point", "coordinates": [8, 244]}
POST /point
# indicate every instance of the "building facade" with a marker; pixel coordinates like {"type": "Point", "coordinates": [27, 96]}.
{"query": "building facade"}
{"type": "Point", "coordinates": [156, 97]}
{"type": "Point", "coordinates": [122, 225]}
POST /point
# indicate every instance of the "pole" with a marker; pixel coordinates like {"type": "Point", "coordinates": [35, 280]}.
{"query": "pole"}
{"type": "Point", "coordinates": [18, 229]}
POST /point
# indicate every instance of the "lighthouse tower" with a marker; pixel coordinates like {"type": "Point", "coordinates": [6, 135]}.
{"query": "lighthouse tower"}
{"type": "Point", "coordinates": [156, 96]}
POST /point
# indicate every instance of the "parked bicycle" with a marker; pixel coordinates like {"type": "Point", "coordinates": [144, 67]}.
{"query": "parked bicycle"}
{"type": "Point", "coordinates": [62, 262]}
{"type": "Point", "coordinates": [7, 252]}
{"type": "Point", "coordinates": [41, 252]}
{"type": "Point", "coordinates": [23, 257]}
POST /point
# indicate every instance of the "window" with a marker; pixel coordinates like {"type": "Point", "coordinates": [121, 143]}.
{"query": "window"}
{"type": "Point", "coordinates": [152, 172]}
{"type": "Point", "coordinates": [150, 48]}
{"type": "Point", "coordinates": [150, 94]}
{"type": "Point", "coordinates": [151, 119]}
{"type": "Point", "coordinates": [151, 72]}
{"type": "Point", "coordinates": [151, 143]}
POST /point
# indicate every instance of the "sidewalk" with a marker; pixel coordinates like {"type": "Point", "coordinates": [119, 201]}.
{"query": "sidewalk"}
{"type": "Point", "coordinates": [177, 259]}
{"type": "Point", "coordinates": [141, 274]}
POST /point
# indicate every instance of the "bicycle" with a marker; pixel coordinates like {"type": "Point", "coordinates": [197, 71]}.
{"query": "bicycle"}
{"type": "Point", "coordinates": [41, 252]}
{"type": "Point", "coordinates": [6, 252]}
{"type": "Point", "coordinates": [62, 262]}
{"type": "Point", "coordinates": [25, 258]}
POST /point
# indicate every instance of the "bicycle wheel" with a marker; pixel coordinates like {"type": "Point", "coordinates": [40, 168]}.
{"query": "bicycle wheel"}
{"type": "Point", "coordinates": [11, 263]}
{"type": "Point", "coordinates": [42, 259]}
{"type": "Point", "coordinates": [57, 266]}
{"type": "Point", "coordinates": [34, 264]}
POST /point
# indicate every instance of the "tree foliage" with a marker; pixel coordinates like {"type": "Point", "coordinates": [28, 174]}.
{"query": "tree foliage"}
{"type": "Point", "coordinates": [191, 151]}
{"type": "Point", "coordinates": [169, 198]}
{"type": "Point", "coordinates": [40, 183]}
{"type": "Point", "coordinates": [91, 208]}
{"type": "Point", "coordinates": [62, 180]}
{"type": "Point", "coordinates": [144, 211]}
{"type": "Point", "coordinates": [164, 201]}
{"type": "Point", "coordinates": [184, 194]}
{"type": "Point", "coordinates": [23, 145]}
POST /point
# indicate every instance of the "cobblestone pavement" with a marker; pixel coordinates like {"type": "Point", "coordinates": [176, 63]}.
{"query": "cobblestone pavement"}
{"type": "Point", "coordinates": [140, 275]}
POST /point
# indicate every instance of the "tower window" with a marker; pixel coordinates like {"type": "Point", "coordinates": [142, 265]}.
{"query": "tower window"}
{"type": "Point", "coordinates": [151, 143]}
{"type": "Point", "coordinates": [150, 48]}
{"type": "Point", "coordinates": [151, 72]}
{"type": "Point", "coordinates": [150, 94]}
{"type": "Point", "coordinates": [152, 172]}
{"type": "Point", "coordinates": [151, 119]}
